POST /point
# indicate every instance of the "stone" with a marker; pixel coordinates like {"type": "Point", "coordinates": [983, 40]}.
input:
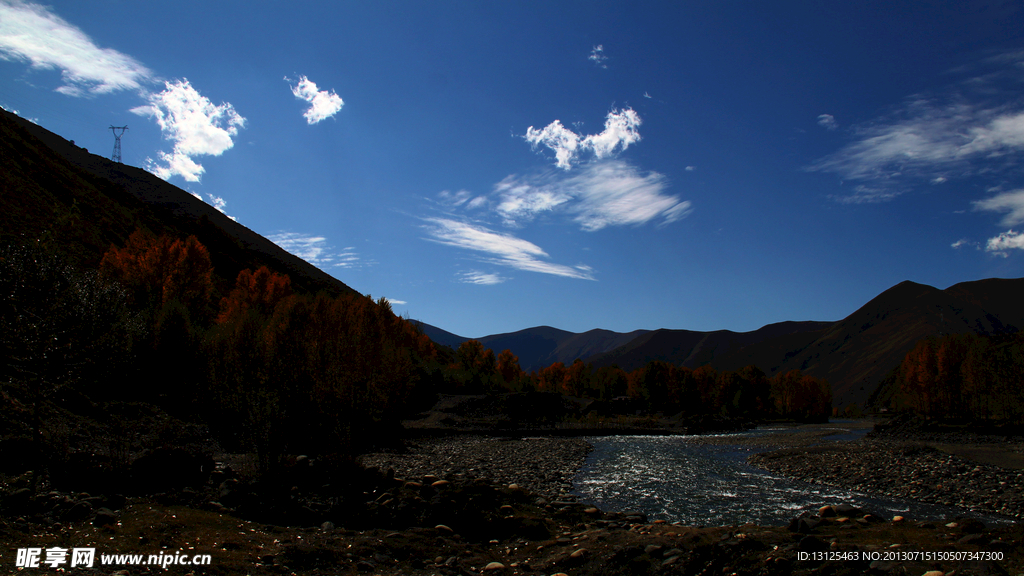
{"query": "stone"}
{"type": "Point", "coordinates": [104, 517]}
{"type": "Point", "coordinates": [653, 549]}
{"type": "Point", "coordinates": [826, 512]}
{"type": "Point", "coordinates": [934, 573]}
{"type": "Point", "coordinates": [580, 553]}
{"type": "Point", "coordinates": [444, 529]}
{"type": "Point", "coordinates": [494, 566]}
{"type": "Point", "coordinates": [849, 510]}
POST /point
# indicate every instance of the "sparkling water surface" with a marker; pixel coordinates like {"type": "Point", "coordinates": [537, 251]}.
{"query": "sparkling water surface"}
{"type": "Point", "coordinates": [676, 479]}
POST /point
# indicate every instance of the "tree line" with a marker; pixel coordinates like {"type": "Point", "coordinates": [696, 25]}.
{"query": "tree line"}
{"type": "Point", "coordinates": [273, 371]}
{"type": "Point", "coordinates": [659, 386]}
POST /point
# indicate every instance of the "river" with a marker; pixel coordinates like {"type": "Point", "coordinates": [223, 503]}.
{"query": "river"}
{"type": "Point", "coordinates": [683, 479]}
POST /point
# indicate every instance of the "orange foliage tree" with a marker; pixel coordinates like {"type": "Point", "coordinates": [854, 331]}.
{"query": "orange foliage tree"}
{"type": "Point", "coordinates": [158, 270]}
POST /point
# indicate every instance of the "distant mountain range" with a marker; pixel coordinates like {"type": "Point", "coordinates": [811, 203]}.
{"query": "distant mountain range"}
{"type": "Point", "coordinates": [853, 354]}
{"type": "Point", "coordinates": [86, 203]}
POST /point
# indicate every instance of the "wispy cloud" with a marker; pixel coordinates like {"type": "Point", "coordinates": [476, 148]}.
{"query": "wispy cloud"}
{"type": "Point", "coordinates": [974, 127]}
{"type": "Point", "coordinates": [1011, 202]}
{"type": "Point", "coordinates": [322, 103]}
{"type": "Point", "coordinates": [597, 56]}
{"type": "Point", "coordinates": [316, 250]}
{"type": "Point", "coordinates": [502, 249]}
{"type": "Point", "coordinates": [481, 278]}
{"type": "Point", "coordinates": [396, 302]}
{"type": "Point", "coordinates": [1008, 240]}
{"type": "Point", "coordinates": [194, 124]}
{"type": "Point", "coordinates": [620, 130]}
{"type": "Point", "coordinates": [827, 121]}
{"type": "Point", "coordinates": [963, 242]}
{"type": "Point", "coordinates": [32, 33]}
{"type": "Point", "coordinates": [609, 193]}
{"type": "Point", "coordinates": [864, 194]}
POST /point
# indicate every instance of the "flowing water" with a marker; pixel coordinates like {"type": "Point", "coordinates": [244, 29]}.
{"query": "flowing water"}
{"type": "Point", "coordinates": [676, 479]}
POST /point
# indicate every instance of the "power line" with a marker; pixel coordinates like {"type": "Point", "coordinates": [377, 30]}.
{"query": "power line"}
{"type": "Point", "coordinates": [116, 157]}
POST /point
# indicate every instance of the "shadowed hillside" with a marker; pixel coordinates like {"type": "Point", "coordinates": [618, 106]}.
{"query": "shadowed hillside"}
{"type": "Point", "coordinates": [86, 203]}
{"type": "Point", "coordinates": [542, 346]}
{"type": "Point", "coordinates": [766, 347]}
{"type": "Point", "coordinates": [857, 352]}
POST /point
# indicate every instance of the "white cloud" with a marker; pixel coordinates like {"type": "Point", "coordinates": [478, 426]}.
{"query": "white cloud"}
{"type": "Point", "coordinates": [478, 202]}
{"type": "Point", "coordinates": [1008, 240]}
{"type": "Point", "coordinates": [597, 56]}
{"type": "Point", "coordinates": [31, 33]}
{"type": "Point", "coordinates": [616, 194]}
{"type": "Point", "coordinates": [620, 130]}
{"type": "Point", "coordinates": [396, 302]}
{"type": "Point", "coordinates": [195, 125]}
{"type": "Point", "coordinates": [481, 278]}
{"type": "Point", "coordinates": [609, 193]}
{"type": "Point", "coordinates": [691, 168]}
{"type": "Point", "coordinates": [1011, 202]}
{"type": "Point", "coordinates": [322, 103]}
{"type": "Point", "coordinates": [454, 198]}
{"type": "Point", "coordinates": [964, 242]}
{"type": "Point", "coordinates": [925, 141]}
{"type": "Point", "coordinates": [316, 250]}
{"type": "Point", "coordinates": [866, 195]}
{"type": "Point", "coordinates": [827, 121]}
{"type": "Point", "coordinates": [563, 141]}
{"type": "Point", "coordinates": [523, 200]}
{"type": "Point", "coordinates": [217, 202]}
{"type": "Point", "coordinates": [503, 249]}
{"type": "Point", "coordinates": [974, 127]}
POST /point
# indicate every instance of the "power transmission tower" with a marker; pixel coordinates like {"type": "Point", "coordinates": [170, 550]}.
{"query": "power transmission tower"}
{"type": "Point", "coordinates": [116, 157]}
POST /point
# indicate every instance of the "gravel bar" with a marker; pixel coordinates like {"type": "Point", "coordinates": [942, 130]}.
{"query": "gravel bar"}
{"type": "Point", "coordinates": [545, 466]}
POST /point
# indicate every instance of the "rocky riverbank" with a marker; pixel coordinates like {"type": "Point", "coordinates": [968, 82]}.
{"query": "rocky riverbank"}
{"type": "Point", "coordinates": [462, 527]}
{"type": "Point", "coordinates": [544, 466]}
{"type": "Point", "coordinates": [463, 505]}
{"type": "Point", "coordinates": [978, 474]}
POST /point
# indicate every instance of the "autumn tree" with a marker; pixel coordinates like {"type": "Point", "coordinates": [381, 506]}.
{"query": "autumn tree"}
{"type": "Point", "coordinates": [507, 366]}
{"type": "Point", "coordinates": [576, 379]}
{"type": "Point", "coordinates": [550, 379]}
{"type": "Point", "coordinates": [609, 382]}
{"type": "Point", "coordinates": [258, 291]}
{"type": "Point", "coordinates": [158, 270]}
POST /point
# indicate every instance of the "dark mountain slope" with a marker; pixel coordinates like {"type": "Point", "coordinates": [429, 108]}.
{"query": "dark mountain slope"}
{"type": "Point", "coordinates": [723, 349]}
{"type": "Point", "coordinates": [87, 203]}
{"type": "Point", "coordinates": [541, 346]}
{"type": "Point", "coordinates": [440, 336]}
{"type": "Point", "coordinates": [530, 345]}
{"type": "Point", "coordinates": [589, 343]}
{"type": "Point", "coordinates": [1000, 297]}
{"type": "Point", "coordinates": [858, 351]}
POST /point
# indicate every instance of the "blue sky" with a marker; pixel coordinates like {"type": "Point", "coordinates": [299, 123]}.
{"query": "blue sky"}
{"type": "Point", "coordinates": [495, 166]}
